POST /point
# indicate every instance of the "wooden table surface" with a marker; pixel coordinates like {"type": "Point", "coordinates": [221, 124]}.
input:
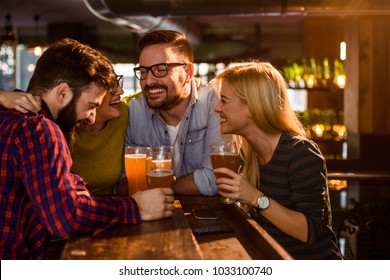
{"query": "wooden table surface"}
{"type": "Point", "coordinates": [173, 238]}
{"type": "Point", "coordinates": [248, 241]}
{"type": "Point", "coordinates": [166, 239]}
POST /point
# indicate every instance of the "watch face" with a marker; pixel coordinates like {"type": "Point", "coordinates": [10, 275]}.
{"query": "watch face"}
{"type": "Point", "coordinates": [263, 202]}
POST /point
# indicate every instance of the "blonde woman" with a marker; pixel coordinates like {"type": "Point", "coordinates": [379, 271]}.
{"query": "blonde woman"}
{"type": "Point", "coordinates": [283, 178]}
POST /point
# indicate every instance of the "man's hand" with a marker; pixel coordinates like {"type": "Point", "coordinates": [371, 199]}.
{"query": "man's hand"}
{"type": "Point", "coordinates": [155, 203]}
{"type": "Point", "coordinates": [20, 101]}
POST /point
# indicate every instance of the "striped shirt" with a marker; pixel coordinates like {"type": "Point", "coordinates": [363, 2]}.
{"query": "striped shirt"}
{"type": "Point", "coordinates": [38, 192]}
{"type": "Point", "coordinates": [296, 178]}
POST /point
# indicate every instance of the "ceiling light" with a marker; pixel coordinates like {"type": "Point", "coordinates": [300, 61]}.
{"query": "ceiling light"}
{"type": "Point", "coordinates": [37, 47]}
{"type": "Point", "coordinates": [9, 36]}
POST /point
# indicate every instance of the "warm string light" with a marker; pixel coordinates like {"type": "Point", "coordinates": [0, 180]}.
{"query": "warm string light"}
{"type": "Point", "coordinates": [310, 81]}
{"type": "Point", "coordinates": [340, 81]}
{"type": "Point", "coordinates": [38, 51]}
{"type": "Point", "coordinates": [318, 130]}
{"type": "Point", "coordinates": [8, 56]}
{"type": "Point", "coordinates": [8, 37]}
{"type": "Point", "coordinates": [343, 51]}
{"type": "Point", "coordinates": [37, 48]}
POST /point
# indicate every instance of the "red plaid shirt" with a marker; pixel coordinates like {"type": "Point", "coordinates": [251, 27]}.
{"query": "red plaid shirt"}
{"type": "Point", "coordinates": [38, 192]}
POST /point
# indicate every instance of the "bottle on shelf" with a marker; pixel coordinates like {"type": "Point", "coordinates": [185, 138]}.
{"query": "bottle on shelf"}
{"type": "Point", "coordinates": [339, 78]}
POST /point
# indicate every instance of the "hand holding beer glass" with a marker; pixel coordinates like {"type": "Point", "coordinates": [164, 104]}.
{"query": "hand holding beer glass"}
{"type": "Point", "coordinates": [161, 173]}
{"type": "Point", "coordinates": [135, 166]}
{"type": "Point", "coordinates": [225, 154]}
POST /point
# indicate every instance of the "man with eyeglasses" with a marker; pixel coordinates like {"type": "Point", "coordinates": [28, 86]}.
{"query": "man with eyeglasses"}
{"type": "Point", "coordinates": [175, 109]}
{"type": "Point", "coordinates": [39, 195]}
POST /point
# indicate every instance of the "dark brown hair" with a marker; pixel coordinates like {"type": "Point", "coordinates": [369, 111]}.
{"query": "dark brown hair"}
{"type": "Point", "coordinates": [177, 40]}
{"type": "Point", "coordinates": [74, 63]}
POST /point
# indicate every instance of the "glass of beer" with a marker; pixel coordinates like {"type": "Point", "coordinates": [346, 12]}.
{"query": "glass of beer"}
{"type": "Point", "coordinates": [136, 166]}
{"type": "Point", "coordinates": [161, 173]}
{"type": "Point", "coordinates": [165, 149]}
{"type": "Point", "coordinates": [162, 160]}
{"type": "Point", "coordinates": [225, 154]}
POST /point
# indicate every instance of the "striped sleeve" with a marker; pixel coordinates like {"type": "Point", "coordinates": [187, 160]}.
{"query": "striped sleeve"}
{"type": "Point", "coordinates": [307, 180]}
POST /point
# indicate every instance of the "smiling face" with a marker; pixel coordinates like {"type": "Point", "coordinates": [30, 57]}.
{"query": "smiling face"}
{"type": "Point", "coordinates": [79, 110]}
{"type": "Point", "coordinates": [234, 112]}
{"type": "Point", "coordinates": [165, 92]}
{"type": "Point", "coordinates": [110, 107]}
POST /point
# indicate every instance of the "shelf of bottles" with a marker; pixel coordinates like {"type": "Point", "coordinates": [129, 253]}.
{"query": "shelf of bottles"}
{"type": "Point", "coordinates": [324, 125]}
{"type": "Point", "coordinates": [311, 73]}
{"type": "Point", "coordinates": [326, 128]}
{"type": "Point", "coordinates": [305, 75]}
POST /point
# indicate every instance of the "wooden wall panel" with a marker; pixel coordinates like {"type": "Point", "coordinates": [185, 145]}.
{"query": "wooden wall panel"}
{"type": "Point", "coordinates": [367, 95]}
{"type": "Point", "coordinates": [365, 74]}
{"type": "Point", "coordinates": [352, 68]}
{"type": "Point", "coordinates": [367, 68]}
{"type": "Point", "coordinates": [381, 76]}
{"type": "Point", "coordinates": [322, 37]}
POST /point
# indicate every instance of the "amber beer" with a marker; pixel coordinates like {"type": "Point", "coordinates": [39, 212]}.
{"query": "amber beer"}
{"type": "Point", "coordinates": [149, 163]}
{"type": "Point", "coordinates": [135, 171]}
{"type": "Point", "coordinates": [161, 164]}
{"type": "Point", "coordinates": [228, 160]}
{"type": "Point", "coordinates": [161, 160]}
{"type": "Point", "coordinates": [136, 159]}
{"type": "Point", "coordinates": [160, 178]}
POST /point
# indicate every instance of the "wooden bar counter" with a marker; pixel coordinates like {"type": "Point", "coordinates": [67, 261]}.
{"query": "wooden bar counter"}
{"type": "Point", "coordinates": [173, 238]}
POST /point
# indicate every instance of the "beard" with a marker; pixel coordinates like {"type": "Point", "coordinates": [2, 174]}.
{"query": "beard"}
{"type": "Point", "coordinates": [67, 120]}
{"type": "Point", "coordinates": [168, 102]}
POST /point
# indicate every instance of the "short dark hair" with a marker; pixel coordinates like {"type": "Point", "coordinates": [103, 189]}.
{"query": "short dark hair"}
{"type": "Point", "coordinates": [69, 61]}
{"type": "Point", "coordinates": [177, 40]}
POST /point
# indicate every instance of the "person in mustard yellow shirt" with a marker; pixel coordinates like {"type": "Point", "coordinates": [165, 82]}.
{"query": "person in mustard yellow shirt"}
{"type": "Point", "coordinates": [98, 150]}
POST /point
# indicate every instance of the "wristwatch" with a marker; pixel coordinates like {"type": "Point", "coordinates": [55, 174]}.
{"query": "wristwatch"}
{"type": "Point", "coordinates": [263, 202]}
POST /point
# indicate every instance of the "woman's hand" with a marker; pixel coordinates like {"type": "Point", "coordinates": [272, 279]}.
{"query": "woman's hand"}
{"type": "Point", "coordinates": [21, 101]}
{"type": "Point", "coordinates": [234, 186]}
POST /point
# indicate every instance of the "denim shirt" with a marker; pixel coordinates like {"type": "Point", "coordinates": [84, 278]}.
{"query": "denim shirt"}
{"type": "Point", "coordinates": [199, 128]}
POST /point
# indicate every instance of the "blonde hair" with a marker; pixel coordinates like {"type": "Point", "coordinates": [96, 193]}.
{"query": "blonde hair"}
{"type": "Point", "coordinates": [262, 87]}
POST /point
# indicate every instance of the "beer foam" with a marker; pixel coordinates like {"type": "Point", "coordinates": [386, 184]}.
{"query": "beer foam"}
{"type": "Point", "coordinates": [135, 155]}
{"type": "Point", "coordinates": [159, 172]}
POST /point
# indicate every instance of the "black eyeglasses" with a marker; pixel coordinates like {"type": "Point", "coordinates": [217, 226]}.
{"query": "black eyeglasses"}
{"type": "Point", "coordinates": [119, 82]}
{"type": "Point", "coordinates": [158, 70]}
